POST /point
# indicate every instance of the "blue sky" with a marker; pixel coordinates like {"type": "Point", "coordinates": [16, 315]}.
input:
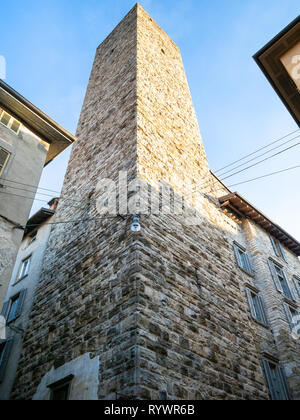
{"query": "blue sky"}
{"type": "Point", "coordinates": [49, 47]}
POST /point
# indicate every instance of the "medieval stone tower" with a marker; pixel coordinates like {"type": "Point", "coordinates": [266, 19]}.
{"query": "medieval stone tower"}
{"type": "Point", "coordinates": [161, 313]}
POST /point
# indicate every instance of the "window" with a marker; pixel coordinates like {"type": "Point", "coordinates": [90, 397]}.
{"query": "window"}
{"type": "Point", "coordinates": [5, 349]}
{"type": "Point", "coordinates": [279, 252]}
{"type": "Point", "coordinates": [256, 307]}
{"type": "Point", "coordinates": [9, 121]}
{"type": "Point", "coordinates": [281, 281]}
{"type": "Point", "coordinates": [4, 157]}
{"type": "Point", "coordinates": [297, 284]}
{"type": "Point", "coordinates": [32, 237]}
{"type": "Point", "coordinates": [25, 266]}
{"type": "Point", "coordinates": [291, 314]}
{"type": "Point", "coordinates": [276, 381]}
{"type": "Point", "coordinates": [12, 309]}
{"type": "Point", "coordinates": [242, 259]}
{"type": "Point", "coordinates": [60, 391]}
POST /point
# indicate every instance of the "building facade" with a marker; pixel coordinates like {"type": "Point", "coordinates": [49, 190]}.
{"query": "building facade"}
{"type": "Point", "coordinates": [20, 294]}
{"type": "Point", "coordinates": [29, 140]}
{"type": "Point", "coordinates": [200, 306]}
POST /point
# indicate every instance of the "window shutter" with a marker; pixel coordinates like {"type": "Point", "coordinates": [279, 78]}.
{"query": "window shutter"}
{"type": "Point", "coordinates": [20, 303]}
{"type": "Point", "coordinates": [263, 312]}
{"type": "Point", "coordinates": [268, 377]}
{"type": "Point", "coordinates": [237, 255]}
{"type": "Point", "coordinates": [274, 246]}
{"type": "Point", "coordinates": [288, 315]}
{"type": "Point", "coordinates": [290, 288]}
{"type": "Point", "coordinates": [297, 285]}
{"type": "Point", "coordinates": [5, 357]}
{"type": "Point", "coordinates": [250, 267]}
{"type": "Point", "coordinates": [5, 309]}
{"type": "Point", "coordinates": [250, 302]}
{"type": "Point", "coordinates": [282, 252]}
{"type": "Point", "coordinates": [285, 387]}
{"type": "Point", "coordinates": [274, 275]}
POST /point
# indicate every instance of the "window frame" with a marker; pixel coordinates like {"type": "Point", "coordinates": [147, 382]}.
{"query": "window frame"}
{"type": "Point", "coordinates": [266, 362]}
{"type": "Point", "coordinates": [288, 312]}
{"type": "Point", "coordinates": [238, 250]}
{"type": "Point", "coordinates": [4, 356]}
{"type": "Point", "coordinates": [272, 266]}
{"type": "Point", "coordinates": [32, 237]}
{"type": "Point", "coordinates": [21, 274]}
{"type": "Point", "coordinates": [278, 249]}
{"type": "Point", "coordinates": [56, 386]}
{"type": "Point", "coordinates": [10, 122]}
{"type": "Point", "coordinates": [260, 307]}
{"type": "Point", "coordinates": [296, 280]}
{"type": "Point", "coordinates": [4, 166]}
{"type": "Point", "coordinates": [7, 306]}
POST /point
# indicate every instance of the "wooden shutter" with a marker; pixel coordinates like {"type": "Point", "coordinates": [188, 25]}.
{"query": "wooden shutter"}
{"type": "Point", "coordinates": [288, 315]}
{"type": "Point", "coordinates": [237, 255]}
{"type": "Point", "coordinates": [263, 312]}
{"type": "Point", "coordinates": [5, 309]}
{"type": "Point", "coordinates": [250, 267]}
{"type": "Point", "coordinates": [285, 387]}
{"type": "Point", "coordinates": [274, 275]}
{"type": "Point", "coordinates": [250, 302]}
{"type": "Point", "coordinates": [274, 247]}
{"type": "Point", "coordinates": [282, 252]}
{"type": "Point", "coordinates": [297, 285]}
{"type": "Point", "coordinates": [268, 377]}
{"type": "Point", "coordinates": [5, 357]}
{"type": "Point", "coordinates": [289, 287]}
{"type": "Point", "coordinates": [20, 303]}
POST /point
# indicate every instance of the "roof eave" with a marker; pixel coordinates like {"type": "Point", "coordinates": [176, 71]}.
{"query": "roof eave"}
{"type": "Point", "coordinates": [36, 120]}
{"type": "Point", "coordinates": [276, 230]}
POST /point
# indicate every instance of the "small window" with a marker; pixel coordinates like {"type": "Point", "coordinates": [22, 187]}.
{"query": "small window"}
{"type": "Point", "coordinates": [15, 126]}
{"type": "Point", "coordinates": [279, 251]}
{"type": "Point", "coordinates": [12, 309]}
{"type": "Point", "coordinates": [25, 266]}
{"type": "Point", "coordinates": [5, 119]}
{"type": "Point", "coordinates": [281, 281]}
{"type": "Point", "coordinates": [5, 349]}
{"type": "Point", "coordinates": [256, 307]}
{"type": "Point", "coordinates": [297, 284]}
{"type": "Point", "coordinates": [276, 381]}
{"type": "Point", "coordinates": [242, 259]}
{"type": "Point", "coordinates": [9, 121]}
{"type": "Point", "coordinates": [32, 237]}
{"type": "Point", "coordinates": [60, 391]}
{"type": "Point", "coordinates": [4, 157]}
{"type": "Point", "coordinates": [292, 315]}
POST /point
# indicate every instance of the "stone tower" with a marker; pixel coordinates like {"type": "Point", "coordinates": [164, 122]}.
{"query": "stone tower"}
{"type": "Point", "coordinates": [150, 315]}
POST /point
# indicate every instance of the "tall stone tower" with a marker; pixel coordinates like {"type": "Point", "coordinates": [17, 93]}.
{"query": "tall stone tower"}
{"type": "Point", "coordinates": [154, 314]}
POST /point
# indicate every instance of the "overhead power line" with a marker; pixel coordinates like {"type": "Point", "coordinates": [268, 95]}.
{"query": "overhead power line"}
{"type": "Point", "coordinates": [265, 176]}
{"type": "Point", "coordinates": [203, 185]}
{"type": "Point", "coordinates": [264, 160]}
{"type": "Point", "coordinates": [30, 186]}
{"type": "Point", "coordinates": [263, 154]}
{"type": "Point", "coordinates": [225, 167]}
{"type": "Point", "coordinates": [256, 151]}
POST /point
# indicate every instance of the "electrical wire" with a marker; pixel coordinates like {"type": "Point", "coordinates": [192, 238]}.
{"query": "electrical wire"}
{"type": "Point", "coordinates": [256, 151]}
{"type": "Point", "coordinates": [263, 154]}
{"type": "Point", "coordinates": [225, 167]}
{"type": "Point", "coordinates": [113, 217]}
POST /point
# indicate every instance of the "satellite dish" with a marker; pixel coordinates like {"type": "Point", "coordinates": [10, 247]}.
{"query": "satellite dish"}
{"type": "Point", "coordinates": [2, 328]}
